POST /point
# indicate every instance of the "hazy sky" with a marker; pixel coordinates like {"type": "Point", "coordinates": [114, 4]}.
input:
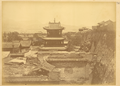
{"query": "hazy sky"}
{"type": "Point", "coordinates": [33, 16]}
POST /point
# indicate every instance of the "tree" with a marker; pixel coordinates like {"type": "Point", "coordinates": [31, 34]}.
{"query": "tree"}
{"type": "Point", "coordinates": [11, 36]}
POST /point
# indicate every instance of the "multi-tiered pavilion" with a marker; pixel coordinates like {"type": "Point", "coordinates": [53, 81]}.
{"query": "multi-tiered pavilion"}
{"type": "Point", "coordinates": [54, 39]}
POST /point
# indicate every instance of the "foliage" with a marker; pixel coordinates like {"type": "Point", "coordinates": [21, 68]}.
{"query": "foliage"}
{"type": "Point", "coordinates": [11, 36]}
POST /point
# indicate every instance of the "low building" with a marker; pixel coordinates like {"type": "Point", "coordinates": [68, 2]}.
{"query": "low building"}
{"type": "Point", "coordinates": [13, 47]}
{"type": "Point", "coordinates": [25, 45]}
{"type": "Point", "coordinates": [83, 30]}
{"type": "Point", "coordinates": [105, 26]}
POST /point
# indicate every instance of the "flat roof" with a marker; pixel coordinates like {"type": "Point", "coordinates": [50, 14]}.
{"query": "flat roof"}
{"type": "Point", "coordinates": [53, 38]}
{"type": "Point", "coordinates": [53, 48]}
{"type": "Point", "coordinates": [63, 52]}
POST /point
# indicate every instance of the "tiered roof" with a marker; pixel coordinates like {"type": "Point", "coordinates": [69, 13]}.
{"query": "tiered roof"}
{"type": "Point", "coordinates": [53, 26]}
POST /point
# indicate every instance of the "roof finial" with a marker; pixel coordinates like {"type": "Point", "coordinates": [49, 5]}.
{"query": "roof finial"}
{"type": "Point", "coordinates": [54, 20]}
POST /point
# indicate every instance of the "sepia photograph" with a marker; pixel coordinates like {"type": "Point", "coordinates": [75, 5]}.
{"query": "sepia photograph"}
{"type": "Point", "coordinates": [58, 43]}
